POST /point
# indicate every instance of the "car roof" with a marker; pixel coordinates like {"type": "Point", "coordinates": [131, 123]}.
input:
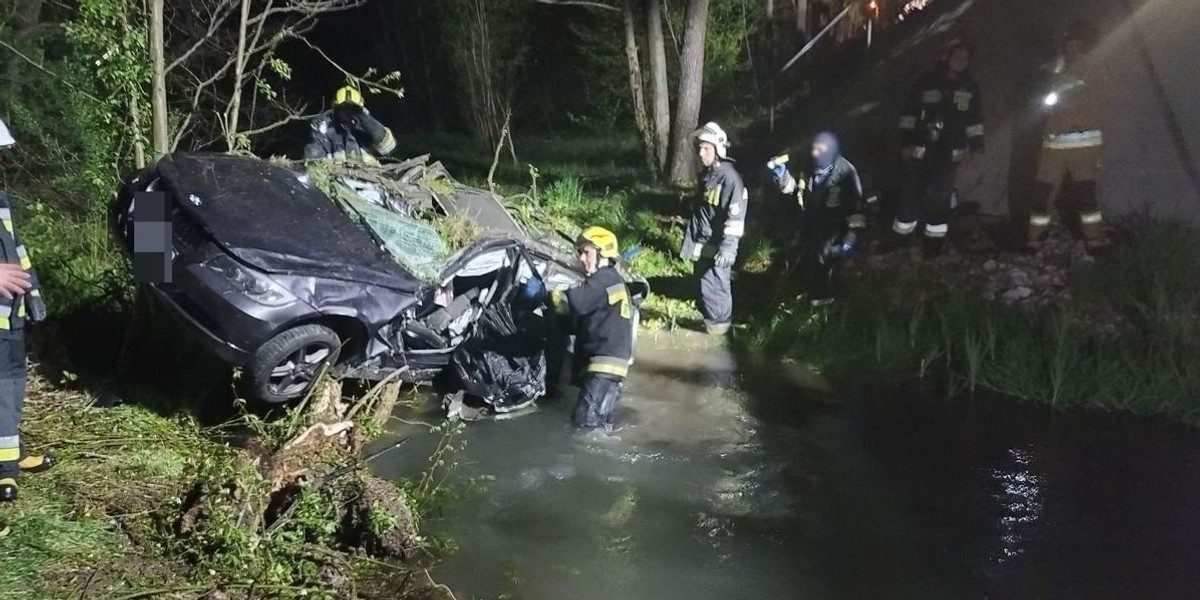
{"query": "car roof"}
{"type": "Point", "coordinates": [272, 218]}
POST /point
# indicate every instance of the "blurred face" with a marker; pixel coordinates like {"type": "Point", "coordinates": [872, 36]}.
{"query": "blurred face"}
{"type": "Point", "coordinates": [960, 59]}
{"type": "Point", "coordinates": [819, 149]}
{"type": "Point", "coordinates": [346, 113]}
{"type": "Point", "coordinates": [590, 257]}
{"type": "Point", "coordinates": [708, 154]}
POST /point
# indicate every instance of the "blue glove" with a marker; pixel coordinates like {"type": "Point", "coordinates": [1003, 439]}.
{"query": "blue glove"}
{"type": "Point", "coordinates": [778, 172]}
{"type": "Point", "coordinates": [631, 253]}
{"type": "Point", "coordinates": [534, 290]}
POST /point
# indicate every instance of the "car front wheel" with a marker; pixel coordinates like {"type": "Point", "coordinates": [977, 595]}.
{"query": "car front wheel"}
{"type": "Point", "coordinates": [288, 365]}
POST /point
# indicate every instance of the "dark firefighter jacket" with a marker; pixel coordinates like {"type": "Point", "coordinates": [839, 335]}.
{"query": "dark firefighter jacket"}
{"type": "Point", "coordinates": [602, 312]}
{"type": "Point", "coordinates": [943, 116]}
{"type": "Point", "coordinates": [1075, 121]}
{"type": "Point", "coordinates": [839, 190]}
{"type": "Point", "coordinates": [329, 138]}
{"type": "Point", "coordinates": [14, 312]}
{"type": "Point", "coordinates": [719, 215]}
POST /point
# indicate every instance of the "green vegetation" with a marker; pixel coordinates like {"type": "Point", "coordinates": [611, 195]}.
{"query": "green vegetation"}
{"type": "Point", "coordinates": [144, 502]}
{"type": "Point", "coordinates": [1128, 339]}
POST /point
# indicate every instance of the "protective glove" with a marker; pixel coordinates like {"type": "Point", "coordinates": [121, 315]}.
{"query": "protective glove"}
{"type": "Point", "coordinates": [779, 172]}
{"type": "Point", "coordinates": [725, 258]}
{"type": "Point", "coordinates": [35, 308]}
{"type": "Point", "coordinates": [534, 291]}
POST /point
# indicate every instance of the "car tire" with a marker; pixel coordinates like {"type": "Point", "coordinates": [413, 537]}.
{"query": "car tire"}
{"type": "Point", "coordinates": [287, 365]}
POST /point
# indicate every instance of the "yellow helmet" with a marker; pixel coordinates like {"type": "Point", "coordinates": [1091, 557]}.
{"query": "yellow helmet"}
{"type": "Point", "coordinates": [347, 95]}
{"type": "Point", "coordinates": [604, 240]}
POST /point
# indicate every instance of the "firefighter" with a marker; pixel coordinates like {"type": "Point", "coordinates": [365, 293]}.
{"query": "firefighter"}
{"type": "Point", "coordinates": [20, 300]}
{"type": "Point", "coordinates": [830, 195]}
{"type": "Point", "coordinates": [717, 224]}
{"type": "Point", "coordinates": [942, 122]}
{"type": "Point", "coordinates": [348, 131]}
{"type": "Point", "coordinates": [602, 313]}
{"type": "Point", "coordinates": [1072, 142]}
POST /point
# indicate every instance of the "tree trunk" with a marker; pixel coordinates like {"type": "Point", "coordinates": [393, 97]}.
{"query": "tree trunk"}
{"type": "Point", "coordinates": [27, 16]}
{"type": "Point", "coordinates": [636, 88]}
{"type": "Point", "coordinates": [239, 76]}
{"type": "Point", "coordinates": [162, 142]}
{"type": "Point", "coordinates": [659, 90]}
{"type": "Point", "coordinates": [802, 18]}
{"type": "Point", "coordinates": [135, 118]}
{"type": "Point", "coordinates": [691, 88]}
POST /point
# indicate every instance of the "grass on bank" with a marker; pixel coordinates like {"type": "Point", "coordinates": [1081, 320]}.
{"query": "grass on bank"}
{"type": "Point", "coordinates": [567, 183]}
{"type": "Point", "coordinates": [1128, 339]}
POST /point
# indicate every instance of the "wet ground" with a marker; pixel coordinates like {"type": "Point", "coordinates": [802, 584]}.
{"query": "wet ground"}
{"type": "Point", "coordinates": [711, 492]}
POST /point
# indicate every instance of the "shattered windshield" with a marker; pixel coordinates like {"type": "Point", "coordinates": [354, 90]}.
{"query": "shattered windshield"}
{"type": "Point", "coordinates": [395, 205]}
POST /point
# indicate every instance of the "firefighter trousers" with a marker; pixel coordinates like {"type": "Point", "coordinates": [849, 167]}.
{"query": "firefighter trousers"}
{"type": "Point", "coordinates": [12, 399]}
{"type": "Point", "coordinates": [926, 196]}
{"type": "Point", "coordinates": [820, 229]}
{"type": "Point", "coordinates": [1066, 181]}
{"type": "Point", "coordinates": [598, 396]}
{"type": "Point", "coordinates": [716, 292]}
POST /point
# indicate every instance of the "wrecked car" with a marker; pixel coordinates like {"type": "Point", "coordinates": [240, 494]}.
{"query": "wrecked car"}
{"type": "Point", "coordinates": [285, 274]}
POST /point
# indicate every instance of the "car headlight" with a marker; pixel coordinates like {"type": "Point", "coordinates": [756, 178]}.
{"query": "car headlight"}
{"type": "Point", "coordinates": [1051, 99]}
{"type": "Point", "coordinates": [257, 288]}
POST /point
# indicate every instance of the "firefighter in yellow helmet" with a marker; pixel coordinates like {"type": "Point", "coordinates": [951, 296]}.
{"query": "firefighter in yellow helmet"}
{"type": "Point", "coordinates": [348, 131]}
{"type": "Point", "coordinates": [20, 301]}
{"type": "Point", "coordinates": [602, 317]}
{"type": "Point", "coordinates": [1072, 144]}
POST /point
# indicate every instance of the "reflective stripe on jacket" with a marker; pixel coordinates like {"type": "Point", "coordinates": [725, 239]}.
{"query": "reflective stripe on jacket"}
{"type": "Point", "coordinates": [950, 108]}
{"type": "Point", "coordinates": [331, 139]}
{"type": "Point", "coordinates": [603, 319]}
{"type": "Point", "coordinates": [13, 312]}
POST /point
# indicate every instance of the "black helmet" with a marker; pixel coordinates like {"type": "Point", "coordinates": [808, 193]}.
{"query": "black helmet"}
{"type": "Point", "coordinates": [1082, 31]}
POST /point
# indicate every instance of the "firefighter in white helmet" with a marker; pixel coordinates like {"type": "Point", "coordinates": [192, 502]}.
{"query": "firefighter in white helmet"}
{"type": "Point", "coordinates": [20, 303]}
{"type": "Point", "coordinates": [717, 224]}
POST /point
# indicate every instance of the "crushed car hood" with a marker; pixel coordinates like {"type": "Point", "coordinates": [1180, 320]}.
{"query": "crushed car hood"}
{"type": "Point", "coordinates": [267, 217]}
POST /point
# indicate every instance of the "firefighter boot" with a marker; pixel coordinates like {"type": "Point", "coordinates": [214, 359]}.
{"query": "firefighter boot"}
{"type": "Point", "coordinates": [37, 463]}
{"type": "Point", "coordinates": [8, 489]}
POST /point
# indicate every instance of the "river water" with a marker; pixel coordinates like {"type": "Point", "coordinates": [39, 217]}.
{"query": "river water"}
{"type": "Point", "coordinates": [729, 485]}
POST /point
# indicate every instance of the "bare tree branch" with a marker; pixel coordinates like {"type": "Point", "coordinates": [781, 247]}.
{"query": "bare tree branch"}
{"type": "Point", "coordinates": [584, 3]}
{"type": "Point", "coordinates": [39, 67]}
{"type": "Point", "coordinates": [352, 76]}
{"type": "Point", "coordinates": [222, 11]}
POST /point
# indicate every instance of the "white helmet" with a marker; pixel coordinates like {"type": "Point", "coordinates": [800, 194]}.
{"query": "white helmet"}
{"type": "Point", "coordinates": [713, 134]}
{"type": "Point", "coordinates": [6, 138]}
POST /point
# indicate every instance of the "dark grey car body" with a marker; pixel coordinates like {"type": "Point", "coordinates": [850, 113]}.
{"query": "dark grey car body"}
{"type": "Point", "coordinates": [258, 251]}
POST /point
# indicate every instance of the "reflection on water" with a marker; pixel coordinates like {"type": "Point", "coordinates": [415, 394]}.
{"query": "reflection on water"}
{"type": "Point", "coordinates": [708, 491]}
{"type": "Point", "coordinates": [1019, 499]}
